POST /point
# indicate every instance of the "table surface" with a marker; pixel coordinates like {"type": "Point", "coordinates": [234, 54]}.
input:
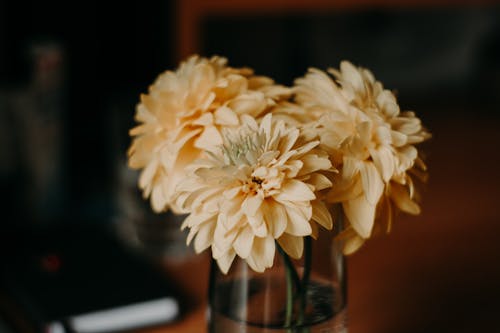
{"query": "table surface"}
{"type": "Point", "coordinates": [438, 272]}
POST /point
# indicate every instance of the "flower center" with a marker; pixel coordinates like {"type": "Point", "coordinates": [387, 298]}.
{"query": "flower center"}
{"type": "Point", "coordinates": [254, 186]}
{"type": "Point", "coordinates": [257, 180]}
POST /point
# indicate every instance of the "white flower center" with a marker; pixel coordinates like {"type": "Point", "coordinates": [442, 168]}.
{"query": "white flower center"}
{"type": "Point", "coordinates": [264, 180]}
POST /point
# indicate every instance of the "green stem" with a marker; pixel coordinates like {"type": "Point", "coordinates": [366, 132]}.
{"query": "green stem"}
{"type": "Point", "coordinates": [305, 278]}
{"type": "Point", "coordinates": [289, 295]}
{"type": "Point", "coordinates": [292, 278]}
{"type": "Point", "coordinates": [290, 266]}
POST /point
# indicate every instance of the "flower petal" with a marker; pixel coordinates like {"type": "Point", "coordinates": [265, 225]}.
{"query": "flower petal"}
{"type": "Point", "coordinates": [297, 225]}
{"type": "Point", "coordinates": [313, 163]}
{"type": "Point", "coordinates": [361, 215]}
{"type": "Point", "coordinates": [292, 245]}
{"type": "Point", "coordinates": [321, 214]}
{"type": "Point", "coordinates": [352, 241]}
{"type": "Point", "coordinates": [402, 199]}
{"type": "Point", "coordinates": [383, 159]}
{"type": "Point", "coordinates": [262, 255]}
{"type": "Point", "coordinates": [372, 182]}
{"type": "Point", "coordinates": [205, 235]}
{"type": "Point", "coordinates": [226, 117]}
{"type": "Point", "coordinates": [243, 242]}
{"type": "Point", "coordinates": [258, 224]}
{"type": "Point", "coordinates": [224, 262]}
{"type": "Point", "coordinates": [294, 190]}
{"type": "Point", "coordinates": [209, 139]}
{"type": "Point", "coordinates": [276, 218]}
{"type": "Point", "coordinates": [251, 204]}
{"type": "Point", "coordinates": [319, 181]}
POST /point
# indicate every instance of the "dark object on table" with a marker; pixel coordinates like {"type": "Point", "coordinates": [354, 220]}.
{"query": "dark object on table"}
{"type": "Point", "coordinates": [79, 279]}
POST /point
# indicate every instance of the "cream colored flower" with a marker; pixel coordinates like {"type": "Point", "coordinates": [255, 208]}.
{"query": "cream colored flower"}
{"type": "Point", "coordinates": [183, 114]}
{"type": "Point", "coordinates": [369, 140]}
{"type": "Point", "coordinates": [263, 185]}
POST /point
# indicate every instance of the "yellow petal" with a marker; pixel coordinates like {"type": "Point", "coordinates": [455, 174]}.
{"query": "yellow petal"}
{"type": "Point", "coordinates": [350, 167]}
{"type": "Point", "coordinates": [313, 162]}
{"type": "Point", "coordinates": [196, 198]}
{"type": "Point", "coordinates": [297, 225]}
{"type": "Point", "coordinates": [250, 122]}
{"type": "Point", "coordinates": [224, 262]}
{"type": "Point", "coordinates": [262, 255]}
{"type": "Point", "coordinates": [287, 142]}
{"type": "Point", "coordinates": [256, 82]}
{"type": "Point", "coordinates": [207, 119]}
{"type": "Point", "coordinates": [251, 204]}
{"type": "Point", "coordinates": [209, 139]}
{"type": "Point", "coordinates": [402, 199]}
{"type": "Point", "coordinates": [265, 125]}
{"type": "Point", "coordinates": [200, 81]}
{"type": "Point", "coordinates": [383, 159]}
{"type": "Point", "coordinates": [384, 135]}
{"type": "Point", "coordinates": [292, 245]}
{"type": "Point", "coordinates": [306, 148]}
{"type": "Point", "coordinates": [205, 104]}
{"type": "Point", "coordinates": [321, 214]}
{"type": "Point", "coordinates": [232, 222]}
{"type": "Point", "coordinates": [360, 214]}
{"type": "Point", "coordinates": [243, 242]}
{"type": "Point", "coordinates": [226, 117]}
{"type": "Point", "coordinates": [231, 193]}
{"type": "Point", "coordinates": [276, 218]}
{"type": "Point", "coordinates": [148, 173]}
{"type": "Point", "coordinates": [294, 190]}
{"type": "Point", "coordinates": [352, 75]}
{"type": "Point", "coordinates": [317, 88]}
{"type": "Point", "coordinates": [344, 189]}
{"type": "Point", "coordinates": [365, 131]}
{"type": "Point", "coordinates": [351, 241]}
{"type": "Point", "coordinates": [195, 219]}
{"type": "Point", "coordinates": [258, 225]}
{"type": "Point", "coordinates": [292, 168]}
{"type": "Point", "coordinates": [319, 181]}
{"type": "Point", "coordinates": [159, 199]}
{"type": "Point", "coordinates": [398, 139]}
{"type": "Point", "coordinates": [205, 235]}
{"type": "Point", "coordinates": [233, 86]}
{"type": "Point", "coordinates": [372, 182]}
{"type": "Point", "coordinates": [407, 156]}
{"type": "Point", "coordinates": [388, 103]}
{"type": "Point", "coordinates": [386, 213]}
{"type": "Point", "coordinates": [252, 104]}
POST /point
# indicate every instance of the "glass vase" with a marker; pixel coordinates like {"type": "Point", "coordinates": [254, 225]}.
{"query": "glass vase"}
{"type": "Point", "coordinates": [306, 295]}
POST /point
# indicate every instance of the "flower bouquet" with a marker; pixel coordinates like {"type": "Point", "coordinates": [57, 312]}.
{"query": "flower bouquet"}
{"type": "Point", "coordinates": [277, 182]}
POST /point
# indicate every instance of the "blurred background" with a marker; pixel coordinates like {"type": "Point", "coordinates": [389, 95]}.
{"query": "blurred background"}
{"type": "Point", "coordinates": [71, 75]}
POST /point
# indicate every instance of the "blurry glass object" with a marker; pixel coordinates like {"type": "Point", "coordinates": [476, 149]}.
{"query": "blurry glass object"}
{"type": "Point", "coordinates": [32, 126]}
{"type": "Point", "coordinates": [157, 234]}
{"type": "Point", "coordinates": [311, 297]}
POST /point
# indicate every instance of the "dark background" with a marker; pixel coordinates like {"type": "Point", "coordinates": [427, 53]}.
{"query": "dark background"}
{"type": "Point", "coordinates": [111, 54]}
{"type": "Point", "coordinates": [443, 62]}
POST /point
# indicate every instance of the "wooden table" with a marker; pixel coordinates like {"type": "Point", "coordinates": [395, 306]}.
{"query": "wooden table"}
{"type": "Point", "coordinates": [439, 272]}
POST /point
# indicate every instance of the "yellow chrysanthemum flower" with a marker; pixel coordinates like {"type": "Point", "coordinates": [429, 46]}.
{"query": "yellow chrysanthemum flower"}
{"type": "Point", "coordinates": [369, 140]}
{"type": "Point", "coordinates": [183, 114]}
{"type": "Point", "coordinates": [262, 185]}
